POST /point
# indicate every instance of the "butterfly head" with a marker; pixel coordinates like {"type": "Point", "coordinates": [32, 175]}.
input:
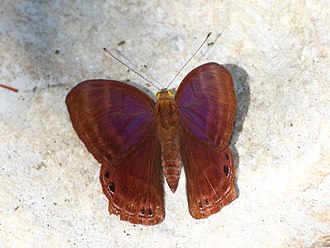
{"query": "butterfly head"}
{"type": "Point", "coordinates": [164, 94]}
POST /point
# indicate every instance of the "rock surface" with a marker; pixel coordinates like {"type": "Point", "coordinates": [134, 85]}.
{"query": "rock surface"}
{"type": "Point", "coordinates": [278, 53]}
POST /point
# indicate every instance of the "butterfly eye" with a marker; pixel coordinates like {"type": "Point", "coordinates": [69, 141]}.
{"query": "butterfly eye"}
{"type": "Point", "coordinates": [170, 93]}
{"type": "Point", "coordinates": [142, 211]}
{"type": "Point", "coordinates": [112, 187]}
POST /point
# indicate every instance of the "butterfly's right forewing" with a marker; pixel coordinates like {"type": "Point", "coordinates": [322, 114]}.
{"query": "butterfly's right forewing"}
{"type": "Point", "coordinates": [207, 104]}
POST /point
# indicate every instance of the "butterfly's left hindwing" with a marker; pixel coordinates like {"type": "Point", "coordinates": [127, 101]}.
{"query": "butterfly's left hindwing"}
{"type": "Point", "coordinates": [134, 186]}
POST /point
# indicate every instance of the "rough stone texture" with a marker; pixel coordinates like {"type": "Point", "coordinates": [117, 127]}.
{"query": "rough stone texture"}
{"type": "Point", "coordinates": [278, 52]}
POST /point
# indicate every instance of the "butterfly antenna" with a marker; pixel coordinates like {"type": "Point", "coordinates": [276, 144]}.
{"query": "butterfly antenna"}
{"type": "Point", "coordinates": [107, 51]}
{"type": "Point", "coordinates": [8, 88]}
{"type": "Point", "coordinates": [208, 35]}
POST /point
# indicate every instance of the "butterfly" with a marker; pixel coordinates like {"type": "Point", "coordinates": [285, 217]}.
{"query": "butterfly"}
{"type": "Point", "coordinates": [138, 141]}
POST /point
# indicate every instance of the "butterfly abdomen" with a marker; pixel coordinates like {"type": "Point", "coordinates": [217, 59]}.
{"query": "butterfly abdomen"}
{"type": "Point", "coordinates": [168, 133]}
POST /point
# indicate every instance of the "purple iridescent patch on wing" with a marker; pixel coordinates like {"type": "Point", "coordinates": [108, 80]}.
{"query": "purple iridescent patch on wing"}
{"type": "Point", "coordinates": [110, 117]}
{"type": "Point", "coordinates": [206, 104]}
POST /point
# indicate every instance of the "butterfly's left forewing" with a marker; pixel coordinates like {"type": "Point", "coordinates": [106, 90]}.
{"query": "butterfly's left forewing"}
{"type": "Point", "coordinates": [110, 117]}
{"type": "Point", "coordinates": [206, 107]}
{"type": "Point", "coordinates": [115, 122]}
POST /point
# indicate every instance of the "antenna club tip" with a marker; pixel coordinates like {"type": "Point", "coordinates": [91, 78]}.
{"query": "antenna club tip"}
{"type": "Point", "coordinates": [209, 34]}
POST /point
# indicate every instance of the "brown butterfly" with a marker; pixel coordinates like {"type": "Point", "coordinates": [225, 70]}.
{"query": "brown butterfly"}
{"type": "Point", "coordinates": [137, 140]}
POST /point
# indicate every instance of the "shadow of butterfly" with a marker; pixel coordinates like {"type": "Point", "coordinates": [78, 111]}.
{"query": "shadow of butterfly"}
{"type": "Point", "coordinates": [138, 140]}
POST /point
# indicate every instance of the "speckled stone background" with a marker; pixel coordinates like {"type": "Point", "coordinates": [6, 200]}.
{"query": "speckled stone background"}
{"type": "Point", "coordinates": [278, 53]}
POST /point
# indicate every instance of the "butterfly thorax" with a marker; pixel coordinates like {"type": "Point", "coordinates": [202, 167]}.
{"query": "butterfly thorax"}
{"type": "Point", "coordinates": [168, 133]}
